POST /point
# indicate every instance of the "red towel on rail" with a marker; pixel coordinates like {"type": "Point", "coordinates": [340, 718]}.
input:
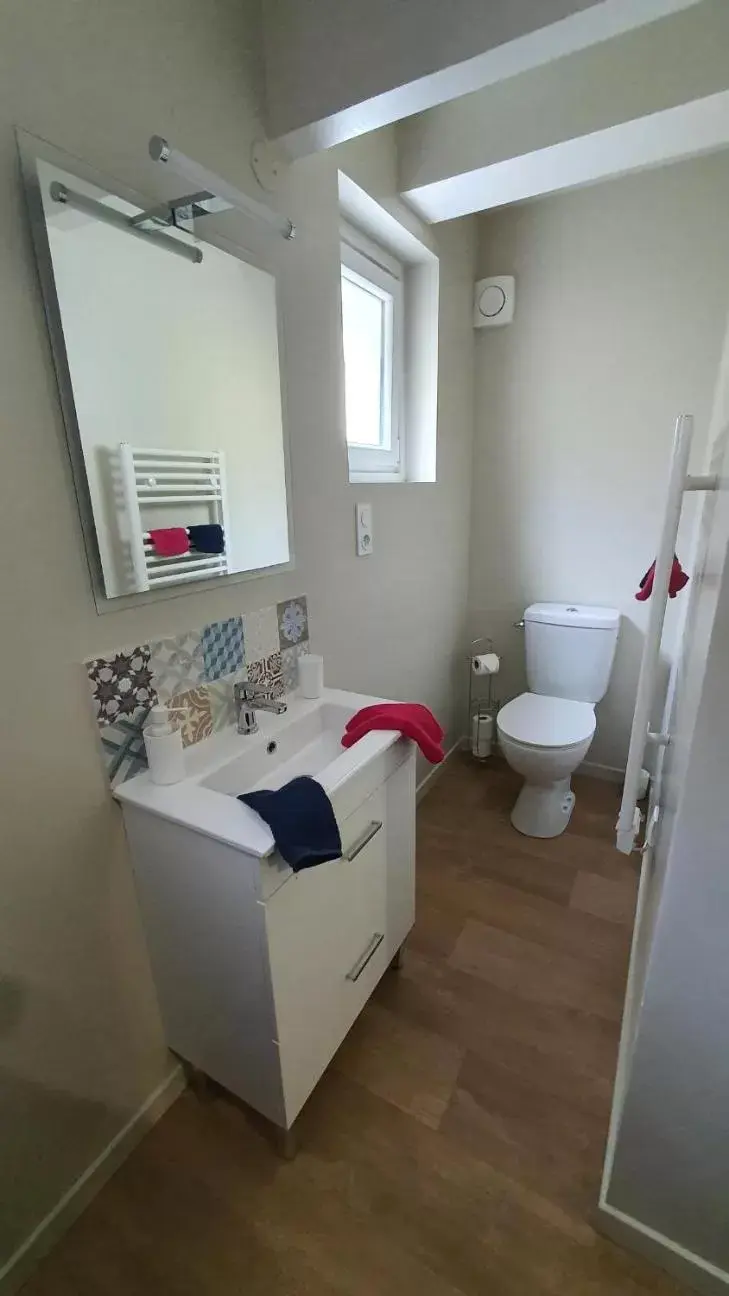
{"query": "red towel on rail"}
{"type": "Point", "coordinates": [169, 542]}
{"type": "Point", "coordinates": [676, 583]}
{"type": "Point", "coordinates": [409, 718]}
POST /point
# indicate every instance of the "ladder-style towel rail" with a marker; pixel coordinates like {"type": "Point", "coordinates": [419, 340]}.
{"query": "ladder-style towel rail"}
{"type": "Point", "coordinates": [153, 477]}
{"type": "Point", "coordinates": [629, 819]}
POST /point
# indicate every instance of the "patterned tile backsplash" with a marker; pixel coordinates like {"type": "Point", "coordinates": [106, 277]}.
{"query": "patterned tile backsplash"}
{"type": "Point", "coordinates": [196, 672]}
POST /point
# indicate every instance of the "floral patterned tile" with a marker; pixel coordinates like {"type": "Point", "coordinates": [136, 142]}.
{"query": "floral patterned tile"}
{"type": "Point", "coordinates": [260, 633]}
{"type": "Point", "coordinates": [268, 673]}
{"type": "Point", "coordinates": [122, 744]}
{"type": "Point", "coordinates": [177, 664]}
{"type": "Point", "coordinates": [121, 684]}
{"type": "Point", "coordinates": [293, 621]}
{"type": "Point", "coordinates": [222, 648]}
{"type": "Point", "coordinates": [290, 662]}
{"type": "Point", "coordinates": [222, 707]}
{"type": "Point", "coordinates": [196, 721]}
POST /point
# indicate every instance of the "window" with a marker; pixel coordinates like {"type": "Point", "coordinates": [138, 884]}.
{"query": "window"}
{"type": "Point", "coordinates": [372, 335]}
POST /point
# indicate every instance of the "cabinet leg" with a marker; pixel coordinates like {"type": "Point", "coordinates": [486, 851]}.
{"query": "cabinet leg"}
{"type": "Point", "coordinates": [397, 962]}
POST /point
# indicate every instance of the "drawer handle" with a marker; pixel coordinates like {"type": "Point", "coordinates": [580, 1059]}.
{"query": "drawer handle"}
{"type": "Point", "coordinates": [355, 973]}
{"type": "Point", "coordinates": [359, 844]}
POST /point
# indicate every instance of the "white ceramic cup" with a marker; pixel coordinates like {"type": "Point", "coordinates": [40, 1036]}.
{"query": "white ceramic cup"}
{"type": "Point", "coordinates": [311, 675]}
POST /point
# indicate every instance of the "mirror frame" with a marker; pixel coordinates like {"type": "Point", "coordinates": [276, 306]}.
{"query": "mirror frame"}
{"type": "Point", "coordinates": [30, 149]}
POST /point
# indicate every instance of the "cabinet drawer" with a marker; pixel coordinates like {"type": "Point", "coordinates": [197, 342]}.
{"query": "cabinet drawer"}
{"type": "Point", "coordinates": [328, 948]}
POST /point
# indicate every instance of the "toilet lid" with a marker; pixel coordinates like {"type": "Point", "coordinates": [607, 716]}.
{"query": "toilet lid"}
{"type": "Point", "coordinates": [540, 721]}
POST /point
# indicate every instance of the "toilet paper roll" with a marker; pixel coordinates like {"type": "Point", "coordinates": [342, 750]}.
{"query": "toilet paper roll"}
{"type": "Point", "coordinates": [485, 664]}
{"type": "Point", "coordinates": [482, 734]}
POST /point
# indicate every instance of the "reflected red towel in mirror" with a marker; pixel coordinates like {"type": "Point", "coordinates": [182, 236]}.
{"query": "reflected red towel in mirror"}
{"type": "Point", "coordinates": [169, 542]}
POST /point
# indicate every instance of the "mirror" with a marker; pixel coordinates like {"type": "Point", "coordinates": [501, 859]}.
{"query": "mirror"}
{"type": "Point", "coordinates": [169, 369]}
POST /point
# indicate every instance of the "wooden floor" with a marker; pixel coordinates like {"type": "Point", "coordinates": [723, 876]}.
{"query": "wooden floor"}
{"type": "Point", "coordinates": [454, 1147]}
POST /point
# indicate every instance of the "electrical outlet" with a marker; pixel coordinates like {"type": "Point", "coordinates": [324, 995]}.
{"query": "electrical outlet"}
{"type": "Point", "coordinates": [363, 526]}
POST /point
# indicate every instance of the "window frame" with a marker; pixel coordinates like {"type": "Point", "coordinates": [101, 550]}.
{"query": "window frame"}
{"type": "Point", "coordinates": [368, 264]}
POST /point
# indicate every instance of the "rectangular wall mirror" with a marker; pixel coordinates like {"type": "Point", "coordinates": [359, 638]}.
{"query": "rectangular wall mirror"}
{"type": "Point", "coordinates": [169, 370]}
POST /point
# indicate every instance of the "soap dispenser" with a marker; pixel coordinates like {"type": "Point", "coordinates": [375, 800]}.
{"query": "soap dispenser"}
{"type": "Point", "coordinates": [164, 746]}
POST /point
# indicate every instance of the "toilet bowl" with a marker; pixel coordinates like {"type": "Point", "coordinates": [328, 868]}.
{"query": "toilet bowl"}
{"type": "Point", "coordinates": [544, 739]}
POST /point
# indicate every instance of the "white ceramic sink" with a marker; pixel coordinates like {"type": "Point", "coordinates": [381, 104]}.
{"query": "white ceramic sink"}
{"type": "Point", "coordinates": [304, 745]}
{"type": "Point", "coordinates": [306, 739]}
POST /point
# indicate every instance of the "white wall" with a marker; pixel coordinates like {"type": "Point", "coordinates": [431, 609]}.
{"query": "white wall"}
{"type": "Point", "coordinates": [621, 305]}
{"type": "Point", "coordinates": [80, 1039]}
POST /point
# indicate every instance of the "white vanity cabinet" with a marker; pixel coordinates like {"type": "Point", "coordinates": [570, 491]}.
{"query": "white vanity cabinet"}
{"type": "Point", "coordinates": [260, 972]}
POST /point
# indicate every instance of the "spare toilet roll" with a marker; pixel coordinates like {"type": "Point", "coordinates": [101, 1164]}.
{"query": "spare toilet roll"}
{"type": "Point", "coordinates": [482, 734]}
{"type": "Point", "coordinates": [485, 664]}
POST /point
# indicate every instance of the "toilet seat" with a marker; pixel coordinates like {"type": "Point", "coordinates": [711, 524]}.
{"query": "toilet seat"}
{"type": "Point", "coordinates": [538, 721]}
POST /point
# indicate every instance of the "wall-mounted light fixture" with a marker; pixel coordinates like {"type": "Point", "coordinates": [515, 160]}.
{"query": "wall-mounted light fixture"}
{"type": "Point", "coordinates": [213, 194]}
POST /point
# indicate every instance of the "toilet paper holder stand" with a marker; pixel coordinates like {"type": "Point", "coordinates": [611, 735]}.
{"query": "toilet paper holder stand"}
{"type": "Point", "coordinates": [480, 706]}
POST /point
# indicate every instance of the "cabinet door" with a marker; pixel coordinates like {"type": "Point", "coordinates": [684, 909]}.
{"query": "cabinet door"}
{"type": "Point", "coordinates": [328, 948]}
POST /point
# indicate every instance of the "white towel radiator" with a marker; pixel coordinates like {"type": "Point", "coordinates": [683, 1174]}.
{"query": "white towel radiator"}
{"type": "Point", "coordinates": [179, 477]}
{"type": "Point", "coordinates": [679, 481]}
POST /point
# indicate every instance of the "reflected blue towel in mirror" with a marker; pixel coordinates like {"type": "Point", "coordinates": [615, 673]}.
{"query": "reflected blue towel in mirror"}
{"type": "Point", "coordinates": [207, 539]}
{"type": "Point", "coordinates": [301, 818]}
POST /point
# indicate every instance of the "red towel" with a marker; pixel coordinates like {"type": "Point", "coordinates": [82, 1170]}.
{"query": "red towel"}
{"type": "Point", "coordinates": [676, 582]}
{"type": "Point", "coordinates": [409, 718]}
{"type": "Point", "coordinates": [170, 541]}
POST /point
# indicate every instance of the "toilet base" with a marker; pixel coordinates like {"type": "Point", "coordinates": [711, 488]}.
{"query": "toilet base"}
{"type": "Point", "coordinates": [543, 811]}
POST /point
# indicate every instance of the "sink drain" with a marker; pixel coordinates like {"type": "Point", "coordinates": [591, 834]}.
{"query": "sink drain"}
{"type": "Point", "coordinates": [271, 748]}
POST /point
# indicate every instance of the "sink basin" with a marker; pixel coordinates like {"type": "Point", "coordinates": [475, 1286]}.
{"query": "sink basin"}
{"type": "Point", "coordinates": [306, 745]}
{"type": "Point", "coordinates": [306, 739]}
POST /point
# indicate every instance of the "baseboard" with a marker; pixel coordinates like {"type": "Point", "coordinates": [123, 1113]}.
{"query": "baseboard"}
{"type": "Point", "coordinates": [18, 1268]}
{"type": "Point", "coordinates": [431, 778]}
{"type": "Point", "coordinates": [609, 773]}
{"type": "Point", "coordinates": [700, 1274]}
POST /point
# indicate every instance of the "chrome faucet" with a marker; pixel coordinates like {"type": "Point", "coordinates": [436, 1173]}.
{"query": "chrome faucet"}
{"type": "Point", "coordinates": [249, 698]}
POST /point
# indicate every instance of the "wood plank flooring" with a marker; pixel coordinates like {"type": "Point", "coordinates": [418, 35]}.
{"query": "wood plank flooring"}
{"type": "Point", "coordinates": [454, 1147]}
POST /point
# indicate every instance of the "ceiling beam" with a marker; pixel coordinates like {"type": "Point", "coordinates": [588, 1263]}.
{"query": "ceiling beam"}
{"type": "Point", "coordinates": [701, 126]}
{"type": "Point", "coordinates": [335, 71]}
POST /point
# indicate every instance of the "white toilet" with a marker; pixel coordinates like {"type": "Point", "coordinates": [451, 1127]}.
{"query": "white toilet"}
{"type": "Point", "coordinates": [546, 733]}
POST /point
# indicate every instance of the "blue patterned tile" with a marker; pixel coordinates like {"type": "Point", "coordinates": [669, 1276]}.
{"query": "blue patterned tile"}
{"type": "Point", "coordinates": [222, 646]}
{"type": "Point", "coordinates": [122, 744]}
{"type": "Point", "coordinates": [293, 621]}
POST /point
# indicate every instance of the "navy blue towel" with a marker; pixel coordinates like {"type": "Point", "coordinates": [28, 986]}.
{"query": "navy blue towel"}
{"type": "Point", "coordinates": [301, 818]}
{"type": "Point", "coordinates": [207, 539]}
